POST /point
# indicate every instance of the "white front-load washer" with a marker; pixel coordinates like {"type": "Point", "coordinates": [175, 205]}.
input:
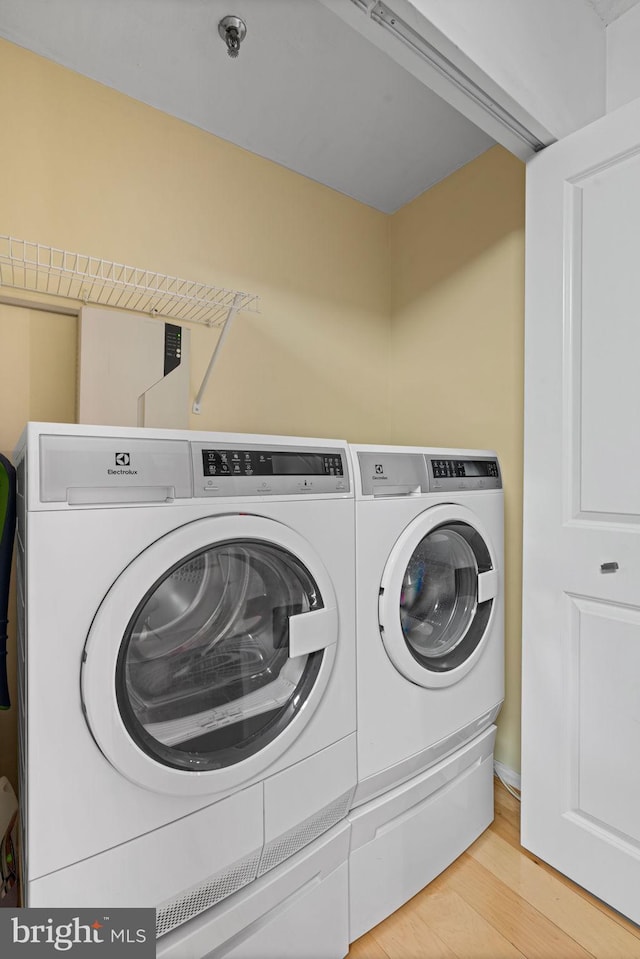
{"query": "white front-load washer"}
{"type": "Point", "coordinates": [186, 661]}
{"type": "Point", "coordinates": [430, 665]}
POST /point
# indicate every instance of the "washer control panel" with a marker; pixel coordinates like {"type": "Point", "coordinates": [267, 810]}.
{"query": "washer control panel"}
{"type": "Point", "coordinates": [247, 470]}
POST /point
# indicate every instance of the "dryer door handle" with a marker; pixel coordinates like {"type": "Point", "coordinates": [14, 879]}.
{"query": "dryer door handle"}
{"type": "Point", "coordinates": [487, 585]}
{"type": "Point", "coordinates": [309, 632]}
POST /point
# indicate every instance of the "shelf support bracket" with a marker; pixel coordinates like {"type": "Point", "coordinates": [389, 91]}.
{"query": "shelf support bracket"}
{"type": "Point", "coordinates": [233, 309]}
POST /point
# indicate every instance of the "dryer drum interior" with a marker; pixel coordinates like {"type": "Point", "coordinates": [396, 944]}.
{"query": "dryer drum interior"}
{"type": "Point", "coordinates": [441, 619]}
{"type": "Point", "coordinates": [204, 678]}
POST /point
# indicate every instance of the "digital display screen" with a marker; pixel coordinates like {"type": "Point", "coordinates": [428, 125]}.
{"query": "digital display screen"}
{"type": "Point", "coordinates": [270, 463]}
{"type": "Point", "coordinates": [443, 469]}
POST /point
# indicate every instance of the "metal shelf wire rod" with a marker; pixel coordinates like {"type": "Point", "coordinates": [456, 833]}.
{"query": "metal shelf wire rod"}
{"type": "Point", "coordinates": [44, 269]}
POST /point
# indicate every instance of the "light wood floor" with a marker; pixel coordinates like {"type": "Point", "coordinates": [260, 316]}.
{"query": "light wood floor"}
{"type": "Point", "coordinates": [497, 901]}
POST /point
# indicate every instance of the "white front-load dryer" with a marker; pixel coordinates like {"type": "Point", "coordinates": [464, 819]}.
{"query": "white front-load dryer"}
{"type": "Point", "coordinates": [187, 661]}
{"type": "Point", "coordinates": [430, 665]}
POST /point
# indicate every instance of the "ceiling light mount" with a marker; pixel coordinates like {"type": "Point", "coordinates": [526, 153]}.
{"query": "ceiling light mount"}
{"type": "Point", "coordinates": [233, 30]}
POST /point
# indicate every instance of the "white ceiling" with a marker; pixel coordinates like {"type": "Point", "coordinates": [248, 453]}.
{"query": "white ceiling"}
{"type": "Point", "coordinates": [307, 91]}
{"type": "Point", "coordinates": [609, 10]}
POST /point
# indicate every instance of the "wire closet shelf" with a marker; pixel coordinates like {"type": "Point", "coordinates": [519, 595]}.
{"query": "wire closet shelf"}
{"type": "Point", "coordinates": [26, 265]}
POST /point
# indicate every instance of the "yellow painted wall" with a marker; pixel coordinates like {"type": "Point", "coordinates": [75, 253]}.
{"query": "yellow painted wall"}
{"type": "Point", "coordinates": [457, 360]}
{"type": "Point", "coordinates": [90, 170]}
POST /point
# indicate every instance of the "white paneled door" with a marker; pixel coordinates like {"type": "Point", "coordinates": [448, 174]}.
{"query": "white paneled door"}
{"type": "Point", "coordinates": [581, 628]}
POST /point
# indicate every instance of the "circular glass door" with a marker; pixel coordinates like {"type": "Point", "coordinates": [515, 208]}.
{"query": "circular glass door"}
{"type": "Point", "coordinates": [204, 678]}
{"type": "Point", "coordinates": [437, 596]}
{"type": "Point", "coordinates": [212, 663]}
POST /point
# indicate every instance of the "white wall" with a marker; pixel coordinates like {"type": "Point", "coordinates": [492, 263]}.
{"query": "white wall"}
{"type": "Point", "coordinates": [623, 62]}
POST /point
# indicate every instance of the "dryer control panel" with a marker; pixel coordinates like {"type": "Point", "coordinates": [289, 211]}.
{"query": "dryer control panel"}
{"type": "Point", "coordinates": [456, 473]}
{"type": "Point", "coordinates": [396, 473]}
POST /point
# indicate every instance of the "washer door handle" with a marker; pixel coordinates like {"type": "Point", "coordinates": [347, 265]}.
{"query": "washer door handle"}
{"type": "Point", "coordinates": [487, 585]}
{"type": "Point", "coordinates": [309, 632]}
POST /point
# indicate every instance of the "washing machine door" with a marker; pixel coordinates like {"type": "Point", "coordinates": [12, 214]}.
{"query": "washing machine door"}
{"type": "Point", "coordinates": [209, 654]}
{"type": "Point", "coordinates": [437, 596]}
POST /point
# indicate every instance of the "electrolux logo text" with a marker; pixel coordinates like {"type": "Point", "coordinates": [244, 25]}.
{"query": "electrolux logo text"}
{"type": "Point", "coordinates": [38, 932]}
{"type": "Point", "coordinates": [122, 459]}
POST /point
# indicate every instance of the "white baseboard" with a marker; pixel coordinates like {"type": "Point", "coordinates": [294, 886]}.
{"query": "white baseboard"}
{"type": "Point", "coordinates": [507, 775]}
